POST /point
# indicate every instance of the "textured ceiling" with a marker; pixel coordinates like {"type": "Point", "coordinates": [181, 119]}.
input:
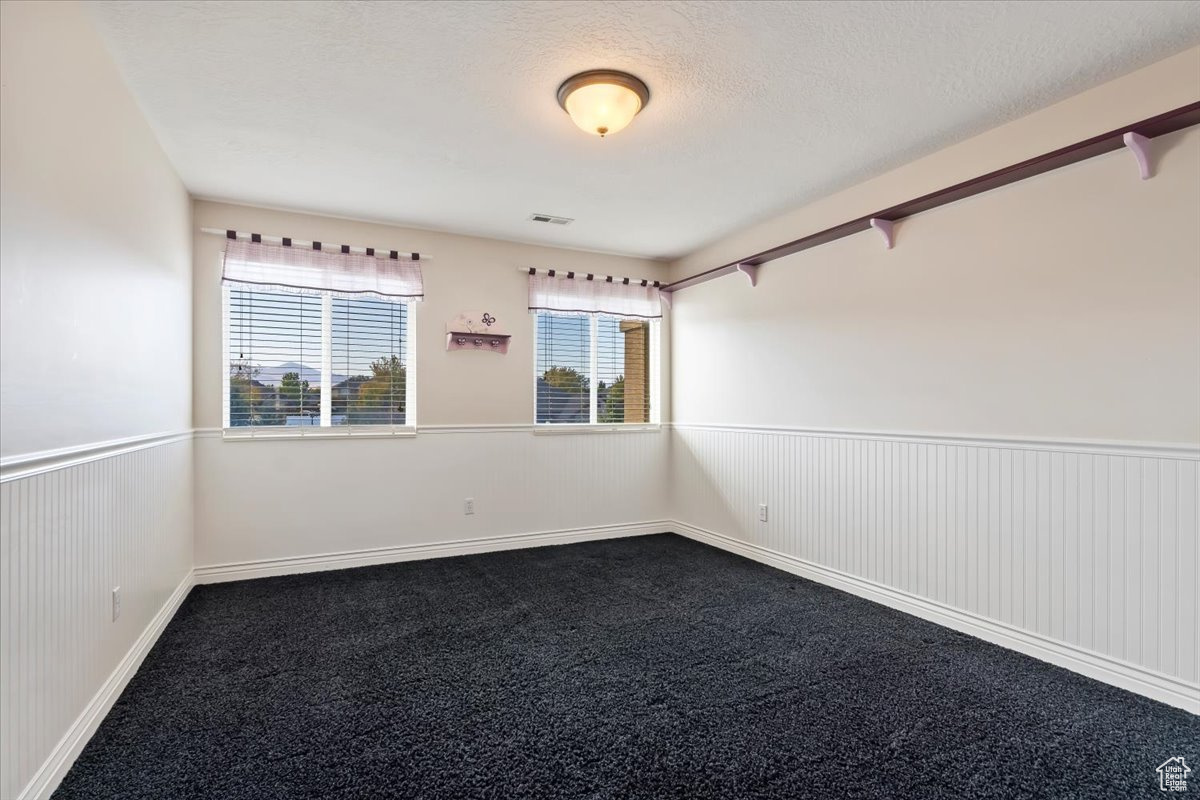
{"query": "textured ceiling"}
{"type": "Point", "coordinates": [442, 114]}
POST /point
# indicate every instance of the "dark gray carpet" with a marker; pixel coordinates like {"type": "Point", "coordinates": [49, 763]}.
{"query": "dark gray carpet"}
{"type": "Point", "coordinates": [648, 667]}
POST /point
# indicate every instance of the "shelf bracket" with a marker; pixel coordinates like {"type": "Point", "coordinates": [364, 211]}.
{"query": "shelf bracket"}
{"type": "Point", "coordinates": [1140, 145]}
{"type": "Point", "coordinates": [750, 271]}
{"type": "Point", "coordinates": [885, 227]}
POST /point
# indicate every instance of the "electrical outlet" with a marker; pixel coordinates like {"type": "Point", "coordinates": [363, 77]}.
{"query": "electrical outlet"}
{"type": "Point", "coordinates": [469, 505]}
{"type": "Point", "coordinates": [116, 603]}
{"type": "Point", "coordinates": [762, 513]}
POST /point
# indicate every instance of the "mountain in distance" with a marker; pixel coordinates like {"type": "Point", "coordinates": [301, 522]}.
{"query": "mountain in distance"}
{"type": "Point", "coordinates": [273, 375]}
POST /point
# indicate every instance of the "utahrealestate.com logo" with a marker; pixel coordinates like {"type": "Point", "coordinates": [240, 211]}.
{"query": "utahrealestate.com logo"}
{"type": "Point", "coordinates": [1173, 774]}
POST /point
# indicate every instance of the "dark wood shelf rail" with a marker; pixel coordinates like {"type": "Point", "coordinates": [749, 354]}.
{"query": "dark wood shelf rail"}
{"type": "Point", "coordinates": [1171, 121]}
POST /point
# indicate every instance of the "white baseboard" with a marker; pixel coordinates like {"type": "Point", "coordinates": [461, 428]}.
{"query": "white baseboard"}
{"type": "Point", "coordinates": [239, 571]}
{"type": "Point", "coordinates": [46, 780]}
{"type": "Point", "coordinates": [1122, 674]}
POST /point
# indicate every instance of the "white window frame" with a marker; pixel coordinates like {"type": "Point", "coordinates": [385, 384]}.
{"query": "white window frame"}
{"type": "Point", "coordinates": [325, 430]}
{"type": "Point", "coordinates": [592, 426]}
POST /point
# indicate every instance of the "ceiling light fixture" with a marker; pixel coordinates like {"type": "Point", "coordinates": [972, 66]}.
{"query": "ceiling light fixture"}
{"type": "Point", "coordinates": [603, 101]}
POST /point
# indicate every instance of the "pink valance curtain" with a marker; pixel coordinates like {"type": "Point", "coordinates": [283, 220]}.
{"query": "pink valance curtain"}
{"type": "Point", "coordinates": [305, 269]}
{"type": "Point", "coordinates": [578, 295]}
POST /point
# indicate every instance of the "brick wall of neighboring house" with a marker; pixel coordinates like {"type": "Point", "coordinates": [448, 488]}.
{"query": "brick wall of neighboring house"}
{"type": "Point", "coordinates": [637, 371]}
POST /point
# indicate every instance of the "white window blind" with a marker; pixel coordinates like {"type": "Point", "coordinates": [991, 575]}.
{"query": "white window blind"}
{"type": "Point", "coordinates": [370, 346]}
{"type": "Point", "coordinates": [622, 370]}
{"type": "Point", "coordinates": [564, 363]}
{"type": "Point", "coordinates": [274, 343]}
{"type": "Point", "coordinates": [594, 369]}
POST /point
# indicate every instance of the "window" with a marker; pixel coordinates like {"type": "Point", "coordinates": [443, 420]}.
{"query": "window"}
{"type": "Point", "coordinates": [594, 369]}
{"type": "Point", "coordinates": [564, 364]}
{"type": "Point", "coordinates": [316, 360]}
{"type": "Point", "coordinates": [274, 338]}
{"type": "Point", "coordinates": [317, 340]}
{"type": "Point", "coordinates": [596, 343]}
{"type": "Point", "coordinates": [370, 384]}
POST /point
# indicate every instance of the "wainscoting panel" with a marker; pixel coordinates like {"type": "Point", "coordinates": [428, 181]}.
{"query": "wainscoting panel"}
{"type": "Point", "coordinates": [289, 501]}
{"type": "Point", "coordinates": [1092, 545]}
{"type": "Point", "coordinates": [72, 527]}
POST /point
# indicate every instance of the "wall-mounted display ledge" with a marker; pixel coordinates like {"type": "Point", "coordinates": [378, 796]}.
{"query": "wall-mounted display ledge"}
{"type": "Point", "coordinates": [1136, 137]}
{"type": "Point", "coordinates": [476, 330]}
{"type": "Point", "coordinates": [463, 340]}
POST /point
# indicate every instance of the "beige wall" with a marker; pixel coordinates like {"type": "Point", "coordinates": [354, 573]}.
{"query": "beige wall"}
{"type": "Point", "coordinates": [464, 273]}
{"type": "Point", "coordinates": [255, 499]}
{"type": "Point", "coordinates": [95, 255]}
{"type": "Point", "coordinates": [1066, 306]}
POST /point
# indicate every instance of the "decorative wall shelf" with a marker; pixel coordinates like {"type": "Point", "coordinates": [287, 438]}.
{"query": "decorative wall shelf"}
{"type": "Point", "coordinates": [476, 330]}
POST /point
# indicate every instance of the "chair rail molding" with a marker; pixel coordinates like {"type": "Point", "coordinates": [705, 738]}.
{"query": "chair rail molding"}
{"type": "Point", "coordinates": [1183, 451]}
{"type": "Point", "coordinates": [28, 464]}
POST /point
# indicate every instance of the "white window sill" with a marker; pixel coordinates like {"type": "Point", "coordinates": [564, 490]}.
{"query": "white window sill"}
{"type": "Point", "coordinates": [314, 432]}
{"type": "Point", "coordinates": [551, 429]}
{"type": "Point", "coordinates": [409, 432]}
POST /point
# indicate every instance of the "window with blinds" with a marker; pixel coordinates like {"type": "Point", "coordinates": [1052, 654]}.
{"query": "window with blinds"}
{"type": "Point", "coordinates": [369, 347]}
{"type": "Point", "coordinates": [622, 370]}
{"type": "Point", "coordinates": [564, 358]}
{"type": "Point", "coordinates": [593, 369]}
{"type": "Point", "coordinates": [315, 360]}
{"type": "Point", "coordinates": [274, 341]}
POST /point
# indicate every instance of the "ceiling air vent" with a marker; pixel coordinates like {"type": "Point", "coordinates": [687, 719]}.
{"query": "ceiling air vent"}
{"type": "Point", "coordinates": [552, 220]}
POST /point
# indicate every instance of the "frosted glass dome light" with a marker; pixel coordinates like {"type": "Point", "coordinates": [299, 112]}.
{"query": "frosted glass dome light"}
{"type": "Point", "coordinates": [602, 101]}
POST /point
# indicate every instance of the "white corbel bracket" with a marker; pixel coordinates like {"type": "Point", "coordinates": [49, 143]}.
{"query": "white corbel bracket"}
{"type": "Point", "coordinates": [1140, 147]}
{"type": "Point", "coordinates": [750, 271]}
{"type": "Point", "coordinates": [887, 229]}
